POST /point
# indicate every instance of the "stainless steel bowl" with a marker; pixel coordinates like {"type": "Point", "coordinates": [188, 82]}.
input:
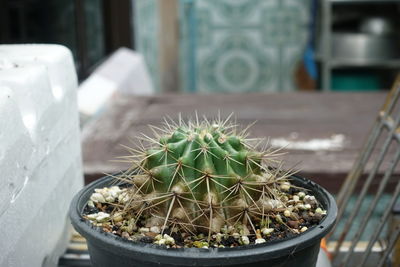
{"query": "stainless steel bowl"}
{"type": "Point", "coordinates": [377, 26]}
{"type": "Point", "coordinates": [365, 47]}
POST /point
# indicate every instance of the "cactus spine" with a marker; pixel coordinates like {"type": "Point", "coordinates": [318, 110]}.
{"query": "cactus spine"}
{"type": "Point", "coordinates": [201, 176]}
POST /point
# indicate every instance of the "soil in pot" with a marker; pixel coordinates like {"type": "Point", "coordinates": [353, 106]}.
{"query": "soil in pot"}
{"type": "Point", "coordinates": [300, 211]}
{"type": "Point", "coordinates": [108, 249]}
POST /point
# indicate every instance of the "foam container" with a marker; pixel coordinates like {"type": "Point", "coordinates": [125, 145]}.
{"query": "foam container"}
{"type": "Point", "coordinates": [40, 153]}
{"type": "Point", "coordinates": [124, 71]}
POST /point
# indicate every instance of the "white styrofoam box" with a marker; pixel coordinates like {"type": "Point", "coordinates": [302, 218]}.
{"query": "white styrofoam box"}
{"type": "Point", "coordinates": [58, 62]}
{"type": "Point", "coordinates": [125, 71]}
{"type": "Point", "coordinates": [94, 93]}
{"type": "Point", "coordinates": [128, 70]}
{"type": "Point", "coordinates": [40, 154]}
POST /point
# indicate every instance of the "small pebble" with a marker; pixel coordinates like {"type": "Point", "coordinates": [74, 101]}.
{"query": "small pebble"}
{"type": "Point", "coordinates": [199, 244]}
{"type": "Point", "coordinates": [97, 198]}
{"type": "Point", "coordinates": [102, 217]}
{"type": "Point", "coordinates": [318, 210]}
{"type": "Point", "coordinates": [115, 191]}
{"type": "Point", "coordinates": [287, 213]}
{"type": "Point", "coordinates": [271, 204]}
{"type": "Point", "coordinates": [245, 240]}
{"type": "Point", "coordinates": [169, 240]}
{"type": "Point", "coordinates": [317, 217]}
{"type": "Point", "coordinates": [284, 199]}
{"type": "Point", "coordinates": [310, 200]}
{"type": "Point", "coordinates": [236, 235]}
{"type": "Point", "coordinates": [92, 216]}
{"type": "Point", "coordinates": [105, 192]}
{"type": "Point", "coordinates": [155, 229]}
{"type": "Point", "coordinates": [260, 241]}
{"type": "Point", "coordinates": [307, 206]}
{"type": "Point", "coordinates": [125, 235]}
{"type": "Point", "coordinates": [109, 199]}
{"type": "Point", "coordinates": [293, 224]}
{"type": "Point", "coordinates": [117, 217]}
{"type": "Point", "coordinates": [300, 206]}
{"type": "Point", "coordinates": [301, 195]}
{"type": "Point", "coordinates": [296, 198]}
{"type": "Point", "coordinates": [144, 230]}
{"type": "Point", "coordinates": [131, 225]}
{"type": "Point", "coordinates": [218, 237]}
{"type": "Point", "coordinates": [285, 186]}
{"type": "Point", "coordinates": [303, 229]}
{"type": "Point", "coordinates": [90, 204]}
{"type": "Point", "coordinates": [151, 234]}
{"type": "Point", "coordinates": [267, 231]}
{"type": "Point", "coordinates": [160, 242]}
{"type": "Point", "coordinates": [123, 198]}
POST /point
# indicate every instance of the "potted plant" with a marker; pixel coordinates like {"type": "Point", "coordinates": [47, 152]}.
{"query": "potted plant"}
{"type": "Point", "coordinates": [202, 193]}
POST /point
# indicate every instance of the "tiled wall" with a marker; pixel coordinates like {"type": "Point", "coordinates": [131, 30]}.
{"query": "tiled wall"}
{"type": "Point", "coordinates": [232, 46]}
{"type": "Point", "coordinates": [147, 25]}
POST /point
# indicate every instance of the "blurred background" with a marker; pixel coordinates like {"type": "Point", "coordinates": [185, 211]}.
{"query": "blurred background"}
{"type": "Point", "coordinates": [223, 46]}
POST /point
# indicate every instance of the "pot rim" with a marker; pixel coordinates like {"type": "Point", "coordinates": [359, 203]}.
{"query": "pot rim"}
{"type": "Point", "coordinates": [153, 252]}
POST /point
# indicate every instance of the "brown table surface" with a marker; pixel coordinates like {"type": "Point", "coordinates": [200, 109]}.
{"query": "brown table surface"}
{"type": "Point", "coordinates": [293, 116]}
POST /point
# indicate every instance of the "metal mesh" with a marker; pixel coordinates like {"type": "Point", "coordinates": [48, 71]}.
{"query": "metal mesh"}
{"type": "Point", "coordinates": [372, 175]}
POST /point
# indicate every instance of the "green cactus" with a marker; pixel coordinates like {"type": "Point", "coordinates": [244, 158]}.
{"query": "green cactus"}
{"type": "Point", "coordinates": [202, 176]}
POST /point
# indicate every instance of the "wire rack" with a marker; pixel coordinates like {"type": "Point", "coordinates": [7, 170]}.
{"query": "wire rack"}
{"type": "Point", "coordinates": [372, 177]}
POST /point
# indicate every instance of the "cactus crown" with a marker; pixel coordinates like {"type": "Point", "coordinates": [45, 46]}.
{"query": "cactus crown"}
{"type": "Point", "coordinates": [202, 176]}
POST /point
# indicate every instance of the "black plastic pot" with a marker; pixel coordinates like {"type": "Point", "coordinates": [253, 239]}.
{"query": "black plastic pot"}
{"type": "Point", "coordinates": [106, 249]}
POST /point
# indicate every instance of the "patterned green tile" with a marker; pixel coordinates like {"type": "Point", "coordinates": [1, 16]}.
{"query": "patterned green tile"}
{"type": "Point", "coordinates": [147, 36]}
{"type": "Point", "coordinates": [241, 45]}
{"type": "Point", "coordinates": [235, 65]}
{"type": "Point", "coordinates": [230, 45]}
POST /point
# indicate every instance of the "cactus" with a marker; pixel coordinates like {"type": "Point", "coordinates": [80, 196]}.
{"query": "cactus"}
{"type": "Point", "coordinates": [202, 176]}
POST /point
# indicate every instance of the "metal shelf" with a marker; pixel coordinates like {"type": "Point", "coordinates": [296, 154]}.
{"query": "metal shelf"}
{"type": "Point", "coordinates": [390, 63]}
{"type": "Point", "coordinates": [328, 63]}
